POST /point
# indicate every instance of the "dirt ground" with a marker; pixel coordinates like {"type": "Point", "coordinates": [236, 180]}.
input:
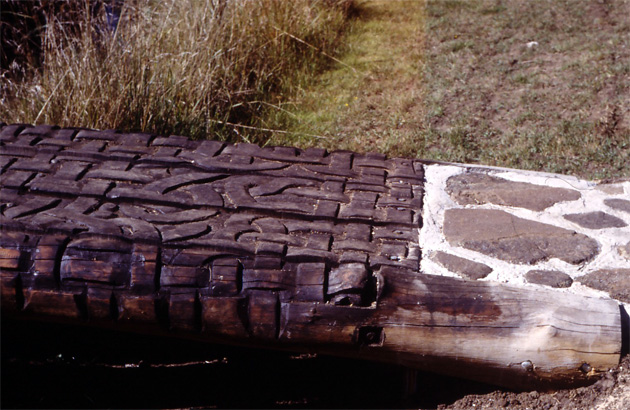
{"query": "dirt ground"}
{"type": "Point", "coordinates": [611, 392]}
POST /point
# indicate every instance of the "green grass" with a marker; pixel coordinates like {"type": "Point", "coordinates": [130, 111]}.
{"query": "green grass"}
{"type": "Point", "coordinates": [463, 81]}
{"type": "Point", "coordinates": [359, 105]}
{"type": "Point", "coordinates": [561, 105]}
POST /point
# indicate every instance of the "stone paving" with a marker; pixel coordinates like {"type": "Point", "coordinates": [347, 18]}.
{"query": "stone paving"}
{"type": "Point", "coordinates": [527, 228]}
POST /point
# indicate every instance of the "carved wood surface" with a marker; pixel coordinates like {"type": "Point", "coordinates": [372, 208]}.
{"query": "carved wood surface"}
{"type": "Point", "coordinates": [272, 247]}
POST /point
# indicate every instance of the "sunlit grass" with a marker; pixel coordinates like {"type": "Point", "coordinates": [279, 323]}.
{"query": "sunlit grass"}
{"type": "Point", "coordinates": [540, 85]}
{"type": "Point", "coordinates": [474, 81]}
{"type": "Point", "coordinates": [373, 102]}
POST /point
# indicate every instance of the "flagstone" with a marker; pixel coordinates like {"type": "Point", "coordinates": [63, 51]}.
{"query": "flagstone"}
{"type": "Point", "coordinates": [614, 281]}
{"type": "Point", "coordinates": [552, 278]}
{"type": "Point", "coordinates": [618, 204]}
{"type": "Point", "coordinates": [463, 267]}
{"type": "Point", "coordinates": [596, 220]}
{"type": "Point", "coordinates": [476, 188]}
{"type": "Point", "coordinates": [513, 239]}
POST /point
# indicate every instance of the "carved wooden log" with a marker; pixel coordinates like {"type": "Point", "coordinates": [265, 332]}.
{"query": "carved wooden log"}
{"type": "Point", "coordinates": [270, 247]}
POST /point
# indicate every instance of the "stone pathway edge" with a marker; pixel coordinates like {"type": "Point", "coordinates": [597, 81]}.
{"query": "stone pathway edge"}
{"type": "Point", "coordinates": [594, 201]}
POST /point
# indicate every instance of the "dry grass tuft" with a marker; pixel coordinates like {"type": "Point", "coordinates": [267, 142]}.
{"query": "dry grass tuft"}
{"type": "Point", "coordinates": [175, 66]}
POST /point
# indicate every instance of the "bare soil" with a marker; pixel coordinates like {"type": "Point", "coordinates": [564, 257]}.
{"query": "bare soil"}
{"type": "Point", "coordinates": [611, 392]}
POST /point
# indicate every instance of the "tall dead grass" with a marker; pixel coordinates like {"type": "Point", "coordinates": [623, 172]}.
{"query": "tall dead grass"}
{"type": "Point", "coordinates": [174, 66]}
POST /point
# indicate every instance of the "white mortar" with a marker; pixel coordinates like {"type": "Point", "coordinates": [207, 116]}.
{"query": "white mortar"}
{"type": "Point", "coordinates": [437, 200]}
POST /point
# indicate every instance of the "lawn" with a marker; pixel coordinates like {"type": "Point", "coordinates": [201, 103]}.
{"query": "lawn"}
{"type": "Point", "coordinates": [526, 84]}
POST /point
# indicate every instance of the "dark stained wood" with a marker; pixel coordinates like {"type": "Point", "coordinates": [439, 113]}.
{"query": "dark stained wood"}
{"type": "Point", "coordinates": [10, 258]}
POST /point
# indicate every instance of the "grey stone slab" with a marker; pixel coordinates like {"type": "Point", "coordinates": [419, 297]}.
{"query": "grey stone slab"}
{"type": "Point", "coordinates": [552, 278]}
{"type": "Point", "coordinates": [477, 188]}
{"type": "Point", "coordinates": [464, 267]}
{"type": "Point", "coordinates": [596, 220]}
{"type": "Point", "coordinates": [513, 239]}
{"type": "Point", "coordinates": [618, 204]}
{"type": "Point", "coordinates": [614, 281]}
